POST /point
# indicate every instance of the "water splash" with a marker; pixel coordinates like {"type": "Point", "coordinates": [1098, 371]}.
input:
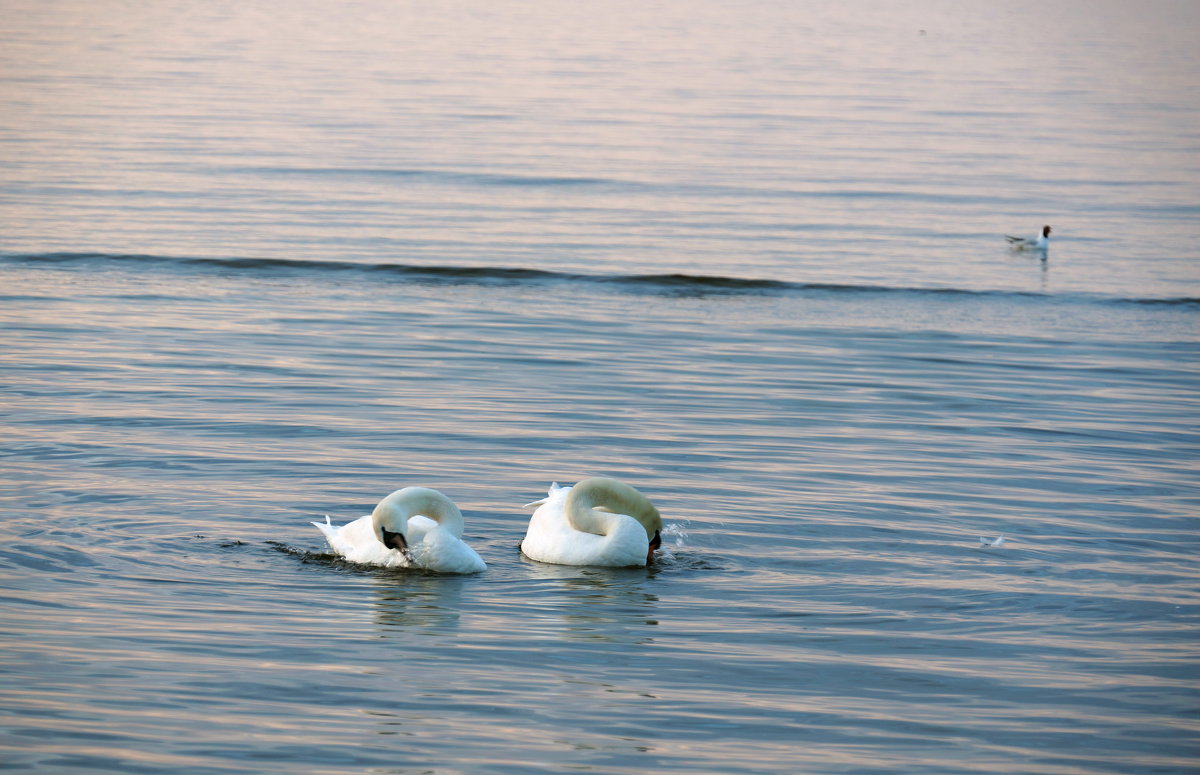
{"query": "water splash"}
{"type": "Point", "coordinates": [676, 531]}
{"type": "Point", "coordinates": [674, 537]}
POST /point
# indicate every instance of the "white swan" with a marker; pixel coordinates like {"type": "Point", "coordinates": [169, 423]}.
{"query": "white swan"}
{"type": "Point", "coordinates": [1041, 242]}
{"type": "Point", "coordinates": [412, 528]}
{"type": "Point", "coordinates": [599, 521]}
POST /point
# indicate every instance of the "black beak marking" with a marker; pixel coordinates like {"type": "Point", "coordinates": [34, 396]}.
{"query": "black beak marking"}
{"type": "Point", "coordinates": [394, 540]}
{"type": "Point", "coordinates": [654, 544]}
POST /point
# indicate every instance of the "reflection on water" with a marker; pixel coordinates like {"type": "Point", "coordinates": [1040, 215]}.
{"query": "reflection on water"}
{"type": "Point", "coordinates": [417, 602]}
{"type": "Point", "coordinates": [608, 605]}
{"type": "Point", "coordinates": [607, 609]}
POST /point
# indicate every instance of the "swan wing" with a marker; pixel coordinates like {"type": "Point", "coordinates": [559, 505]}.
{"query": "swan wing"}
{"type": "Point", "coordinates": [327, 529]}
{"type": "Point", "coordinates": [554, 492]}
{"type": "Point", "coordinates": [356, 542]}
{"type": "Point", "coordinates": [442, 552]}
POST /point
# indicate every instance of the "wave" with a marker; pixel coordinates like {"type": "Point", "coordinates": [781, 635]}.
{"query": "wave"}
{"type": "Point", "coordinates": [676, 284]}
{"type": "Point", "coordinates": [901, 190]}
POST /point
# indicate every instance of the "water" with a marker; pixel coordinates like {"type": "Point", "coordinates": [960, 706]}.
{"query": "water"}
{"type": "Point", "coordinates": [260, 264]}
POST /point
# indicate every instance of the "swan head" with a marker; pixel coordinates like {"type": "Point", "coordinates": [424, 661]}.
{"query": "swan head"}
{"type": "Point", "coordinates": [1045, 231]}
{"type": "Point", "coordinates": [651, 520]}
{"type": "Point", "coordinates": [390, 521]}
{"type": "Point", "coordinates": [655, 543]}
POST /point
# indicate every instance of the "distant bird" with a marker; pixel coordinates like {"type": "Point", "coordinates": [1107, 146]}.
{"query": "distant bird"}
{"type": "Point", "coordinates": [996, 542]}
{"type": "Point", "coordinates": [1041, 243]}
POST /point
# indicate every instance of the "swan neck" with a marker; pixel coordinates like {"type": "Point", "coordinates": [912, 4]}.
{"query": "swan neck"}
{"type": "Point", "coordinates": [593, 506]}
{"type": "Point", "coordinates": [586, 519]}
{"type": "Point", "coordinates": [394, 511]}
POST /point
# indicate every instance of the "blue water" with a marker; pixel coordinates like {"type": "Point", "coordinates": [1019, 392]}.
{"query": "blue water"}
{"type": "Point", "coordinates": [259, 264]}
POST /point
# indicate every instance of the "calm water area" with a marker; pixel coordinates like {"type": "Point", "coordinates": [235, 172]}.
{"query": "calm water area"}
{"type": "Point", "coordinates": [263, 262]}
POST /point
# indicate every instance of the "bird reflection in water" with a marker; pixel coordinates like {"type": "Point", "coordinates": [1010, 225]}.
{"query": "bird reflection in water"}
{"type": "Point", "coordinates": [603, 606]}
{"type": "Point", "coordinates": [409, 600]}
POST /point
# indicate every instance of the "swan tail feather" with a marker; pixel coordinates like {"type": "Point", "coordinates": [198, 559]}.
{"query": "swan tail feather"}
{"type": "Point", "coordinates": [326, 527]}
{"type": "Point", "coordinates": [549, 494]}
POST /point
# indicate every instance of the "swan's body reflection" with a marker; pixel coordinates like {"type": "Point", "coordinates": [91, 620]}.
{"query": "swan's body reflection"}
{"type": "Point", "coordinates": [532, 643]}
{"type": "Point", "coordinates": [608, 605]}
{"type": "Point", "coordinates": [431, 604]}
{"type": "Point", "coordinates": [609, 613]}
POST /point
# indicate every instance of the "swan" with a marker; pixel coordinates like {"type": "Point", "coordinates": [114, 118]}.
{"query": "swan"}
{"type": "Point", "coordinates": [599, 521]}
{"type": "Point", "coordinates": [412, 528]}
{"type": "Point", "coordinates": [1041, 242]}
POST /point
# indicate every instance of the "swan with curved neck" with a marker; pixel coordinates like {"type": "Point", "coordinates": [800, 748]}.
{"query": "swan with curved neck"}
{"type": "Point", "coordinates": [415, 527]}
{"type": "Point", "coordinates": [599, 521]}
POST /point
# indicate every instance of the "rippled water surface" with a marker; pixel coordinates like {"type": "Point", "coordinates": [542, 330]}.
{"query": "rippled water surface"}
{"type": "Point", "coordinates": [259, 264]}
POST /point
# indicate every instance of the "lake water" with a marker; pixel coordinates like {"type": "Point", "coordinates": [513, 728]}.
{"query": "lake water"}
{"type": "Point", "coordinates": [263, 262]}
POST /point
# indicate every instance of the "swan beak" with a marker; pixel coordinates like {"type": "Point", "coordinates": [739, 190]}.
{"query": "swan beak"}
{"type": "Point", "coordinates": [394, 540]}
{"type": "Point", "coordinates": [654, 544]}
